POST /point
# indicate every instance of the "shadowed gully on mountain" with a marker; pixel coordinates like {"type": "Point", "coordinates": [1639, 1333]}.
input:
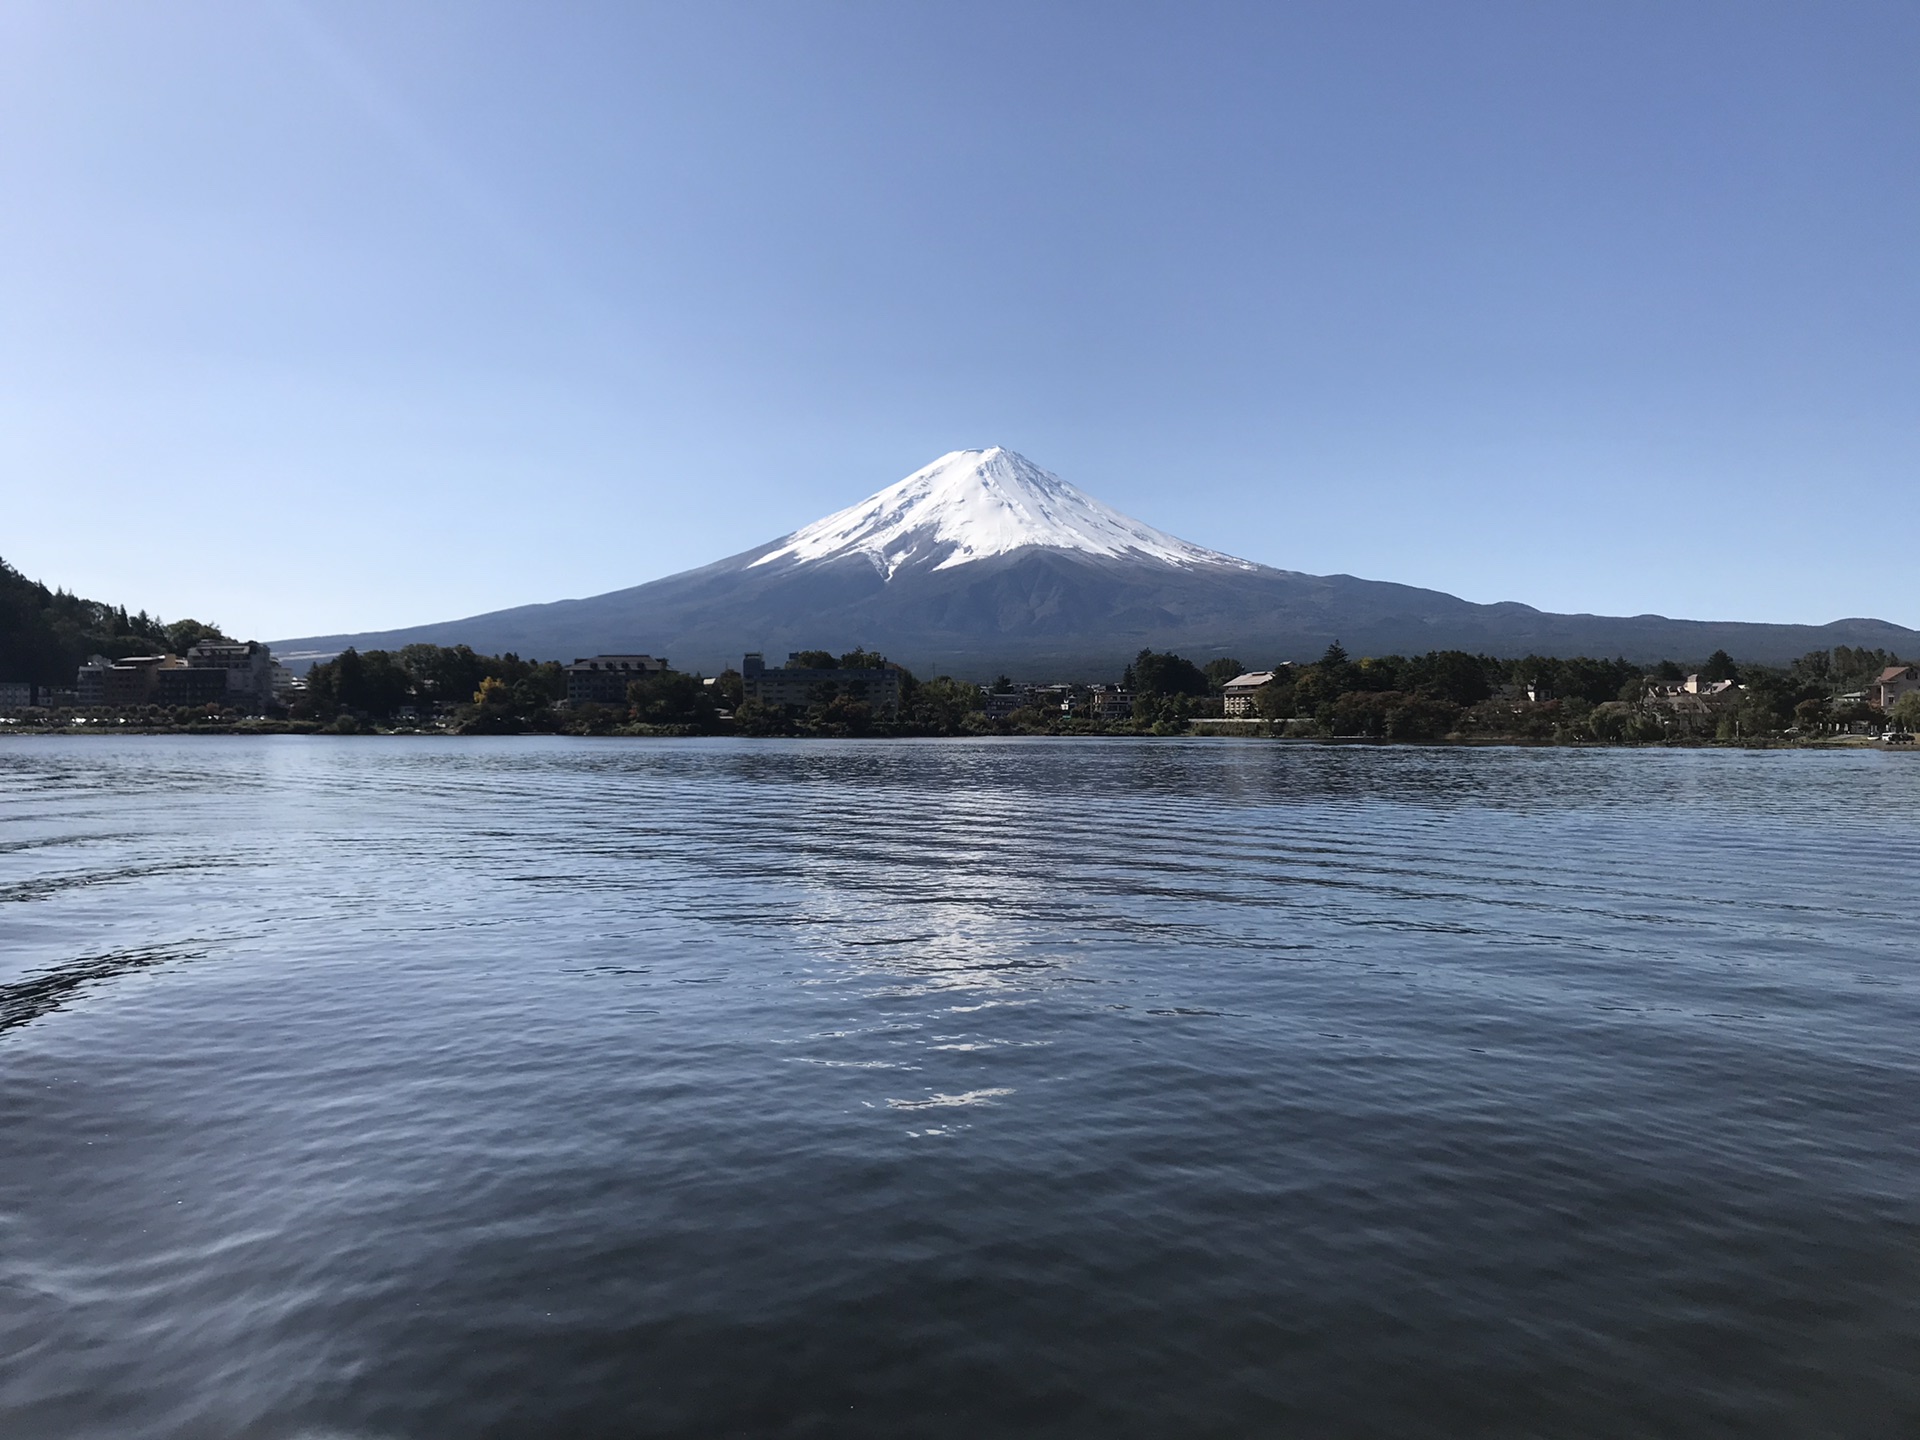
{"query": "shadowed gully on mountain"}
{"type": "Point", "coordinates": [982, 561]}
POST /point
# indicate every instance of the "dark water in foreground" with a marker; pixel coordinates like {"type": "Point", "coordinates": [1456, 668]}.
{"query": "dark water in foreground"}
{"type": "Point", "coordinates": [472, 1088]}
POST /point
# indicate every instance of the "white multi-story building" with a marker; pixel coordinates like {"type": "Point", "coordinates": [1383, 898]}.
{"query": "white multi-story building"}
{"type": "Point", "coordinates": [1238, 692]}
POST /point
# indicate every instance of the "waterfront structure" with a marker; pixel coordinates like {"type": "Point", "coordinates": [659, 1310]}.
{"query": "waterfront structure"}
{"type": "Point", "coordinates": [1238, 698]}
{"type": "Point", "coordinates": [603, 679]}
{"type": "Point", "coordinates": [1893, 682]}
{"type": "Point", "coordinates": [1695, 702]}
{"type": "Point", "coordinates": [1109, 703]}
{"type": "Point", "coordinates": [16, 694]}
{"type": "Point", "coordinates": [999, 704]}
{"type": "Point", "coordinates": [237, 674]}
{"type": "Point", "coordinates": [247, 669]}
{"type": "Point", "coordinates": [27, 695]}
{"type": "Point", "coordinates": [1694, 685]}
{"type": "Point", "coordinates": [130, 680]}
{"type": "Point", "coordinates": [1056, 697]}
{"type": "Point", "coordinates": [1693, 688]}
{"type": "Point", "coordinates": [200, 685]}
{"type": "Point", "coordinates": [793, 686]}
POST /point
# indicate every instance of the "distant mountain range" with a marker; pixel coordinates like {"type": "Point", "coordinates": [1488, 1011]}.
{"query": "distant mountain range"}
{"type": "Point", "coordinates": [983, 562]}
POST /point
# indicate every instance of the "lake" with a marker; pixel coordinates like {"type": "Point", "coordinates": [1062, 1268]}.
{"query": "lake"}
{"type": "Point", "coordinates": [527, 1087]}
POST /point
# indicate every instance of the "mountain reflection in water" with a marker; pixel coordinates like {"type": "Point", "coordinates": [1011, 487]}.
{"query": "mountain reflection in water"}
{"type": "Point", "coordinates": [685, 1088]}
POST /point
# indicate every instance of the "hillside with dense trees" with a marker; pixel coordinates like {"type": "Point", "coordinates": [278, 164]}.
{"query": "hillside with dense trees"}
{"type": "Point", "coordinates": [46, 635]}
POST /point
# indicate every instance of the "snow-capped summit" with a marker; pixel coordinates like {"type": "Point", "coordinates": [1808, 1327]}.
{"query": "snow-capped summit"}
{"type": "Point", "coordinates": [970, 504]}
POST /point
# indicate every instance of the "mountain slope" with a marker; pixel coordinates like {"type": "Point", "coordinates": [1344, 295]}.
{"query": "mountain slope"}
{"type": "Point", "coordinates": [983, 562]}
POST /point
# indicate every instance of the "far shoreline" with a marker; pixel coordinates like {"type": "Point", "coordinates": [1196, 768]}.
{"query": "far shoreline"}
{"type": "Point", "coordinates": [299, 730]}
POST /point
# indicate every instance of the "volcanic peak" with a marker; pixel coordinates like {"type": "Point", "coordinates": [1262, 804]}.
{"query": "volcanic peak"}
{"type": "Point", "coordinates": [972, 504]}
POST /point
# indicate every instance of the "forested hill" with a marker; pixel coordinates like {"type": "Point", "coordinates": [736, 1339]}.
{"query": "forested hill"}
{"type": "Point", "coordinates": [46, 635]}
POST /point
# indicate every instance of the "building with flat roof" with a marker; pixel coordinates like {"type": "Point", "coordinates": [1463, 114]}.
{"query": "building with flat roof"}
{"type": "Point", "coordinates": [30, 695]}
{"type": "Point", "coordinates": [603, 679]}
{"type": "Point", "coordinates": [798, 687]}
{"type": "Point", "coordinates": [199, 685]}
{"type": "Point", "coordinates": [1109, 703]}
{"type": "Point", "coordinates": [130, 680]}
{"type": "Point", "coordinates": [234, 674]}
{"type": "Point", "coordinates": [999, 704]}
{"type": "Point", "coordinates": [247, 669]}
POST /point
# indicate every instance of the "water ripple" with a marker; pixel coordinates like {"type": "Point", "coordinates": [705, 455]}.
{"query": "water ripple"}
{"type": "Point", "coordinates": [1109, 1088]}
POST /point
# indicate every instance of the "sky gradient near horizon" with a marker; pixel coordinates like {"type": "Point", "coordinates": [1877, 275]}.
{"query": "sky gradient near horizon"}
{"type": "Point", "coordinates": [319, 317]}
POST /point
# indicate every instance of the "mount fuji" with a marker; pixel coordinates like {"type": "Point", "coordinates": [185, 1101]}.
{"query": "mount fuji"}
{"type": "Point", "coordinates": [983, 562]}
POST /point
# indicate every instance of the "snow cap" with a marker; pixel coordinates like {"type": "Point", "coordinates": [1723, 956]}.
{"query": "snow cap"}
{"type": "Point", "coordinates": [971, 504]}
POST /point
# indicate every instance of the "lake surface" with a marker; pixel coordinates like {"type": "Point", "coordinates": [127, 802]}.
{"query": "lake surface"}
{"type": "Point", "coordinates": [458, 1088]}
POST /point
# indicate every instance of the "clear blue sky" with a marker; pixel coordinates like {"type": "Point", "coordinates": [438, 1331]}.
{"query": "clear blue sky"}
{"type": "Point", "coordinates": [325, 316]}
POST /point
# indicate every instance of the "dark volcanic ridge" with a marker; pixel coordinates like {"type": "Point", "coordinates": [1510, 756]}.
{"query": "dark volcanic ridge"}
{"type": "Point", "coordinates": [983, 563]}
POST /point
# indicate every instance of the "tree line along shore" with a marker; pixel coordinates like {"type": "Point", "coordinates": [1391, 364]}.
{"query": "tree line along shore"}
{"type": "Point", "coordinates": [1825, 697]}
{"type": "Point", "coordinates": [1438, 696]}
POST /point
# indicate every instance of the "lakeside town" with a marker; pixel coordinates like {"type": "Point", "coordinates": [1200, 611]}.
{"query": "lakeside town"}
{"type": "Point", "coordinates": [1841, 696]}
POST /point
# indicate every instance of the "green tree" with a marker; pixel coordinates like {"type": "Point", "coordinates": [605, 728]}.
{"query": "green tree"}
{"type": "Point", "coordinates": [1811, 717]}
{"type": "Point", "coordinates": [1219, 672]}
{"type": "Point", "coordinates": [1166, 674]}
{"type": "Point", "coordinates": [813, 660]}
{"type": "Point", "coordinates": [1452, 675]}
{"type": "Point", "coordinates": [1333, 671]}
{"type": "Point", "coordinates": [1852, 667]}
{"type": "Point", "coordinates": [1275, 699]}
{"type": "Point", "coordinates": [46, 635]}
{"type": "Point", "coordinates": [1163, 714]}
{"type": "Point", "coordinates": [1594, 681]}
{"type": "Point", "coordinates": [668, 697]}
{"type": "Point", "coordinates": [940, 706]}
{"type": "Point", "coordinates": [1318, 685]}
{"type": "Point", "coordinates": [1719, 666]}
{"type": "Point", "coordinates": [757, 717]}
{"type": "Point", "coordinates": [183, 635]}
{"type": "Point", "coordinates": [371, 685]}
{"type": "Point", "coordinates": [1905, 712]}
{"type": "Point", "coordinates": [1378, 672]}
{"type": "Point", "coordinates": [842, 715]}
{"type": "Point", "coordinates": [447, 675]}
{"type": "Point", "coordinates": [1392, 715]}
